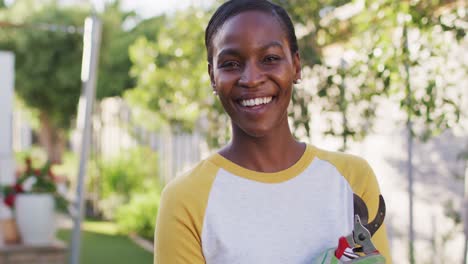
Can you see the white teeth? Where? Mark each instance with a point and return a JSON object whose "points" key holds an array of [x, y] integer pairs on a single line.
{"points": [[256, 101]]}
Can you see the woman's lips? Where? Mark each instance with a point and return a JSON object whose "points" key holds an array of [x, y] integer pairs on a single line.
{"points": [[255, 101], [256, 105]]}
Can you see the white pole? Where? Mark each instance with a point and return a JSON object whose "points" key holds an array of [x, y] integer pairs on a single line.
{"points": [[409, 127], [7, 69], [91, 44], [7, 164], [465, 214]]}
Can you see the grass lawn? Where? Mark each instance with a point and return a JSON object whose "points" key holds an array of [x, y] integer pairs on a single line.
{"points": [[101, 244]]}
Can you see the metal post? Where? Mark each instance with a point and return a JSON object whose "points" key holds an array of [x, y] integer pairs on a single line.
{"points": [[7, 68], [343, 105], [91, 44], [409, 126], [7, 164], [465, 214]]}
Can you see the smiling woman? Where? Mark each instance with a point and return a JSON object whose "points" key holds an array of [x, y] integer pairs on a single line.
{"points": [[265, 197], [251, 60]]}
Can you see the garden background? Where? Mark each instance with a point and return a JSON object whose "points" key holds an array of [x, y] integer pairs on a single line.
{"points": [[382, 79]]}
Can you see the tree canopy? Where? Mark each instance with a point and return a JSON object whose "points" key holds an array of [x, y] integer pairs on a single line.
{"points": [[48, 46], [376, 58], [171, 72], [47, 41]]}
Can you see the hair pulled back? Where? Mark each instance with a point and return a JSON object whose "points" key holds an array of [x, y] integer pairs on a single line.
{"points": [[235, 7]]}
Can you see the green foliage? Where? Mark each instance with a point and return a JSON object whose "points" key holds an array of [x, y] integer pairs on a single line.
{"points": [[114, 61], [34, 179], [129, 189], [134, 171], [173, 87], [172, 80], [371, 34], [48, 50], [139, 214], [47, 40], [409, 56], [45, 68], [314, 29]]}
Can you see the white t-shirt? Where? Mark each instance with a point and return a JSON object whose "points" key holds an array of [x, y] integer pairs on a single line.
{"points": [[222, 213]]}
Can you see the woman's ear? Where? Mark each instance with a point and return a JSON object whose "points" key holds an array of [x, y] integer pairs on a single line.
{"points": [[210, 72], [297, 66]]}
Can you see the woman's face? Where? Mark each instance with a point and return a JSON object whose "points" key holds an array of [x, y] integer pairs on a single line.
{"points": [[253, 71]]}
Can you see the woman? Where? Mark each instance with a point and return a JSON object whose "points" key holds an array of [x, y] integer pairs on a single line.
{"points": [[265, 197]]}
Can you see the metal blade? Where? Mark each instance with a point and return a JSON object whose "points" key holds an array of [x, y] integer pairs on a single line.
{"points": [[360, 208], [379, 218]]}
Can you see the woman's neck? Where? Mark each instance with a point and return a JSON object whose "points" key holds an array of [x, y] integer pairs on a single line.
{"points": [[275, 151]]}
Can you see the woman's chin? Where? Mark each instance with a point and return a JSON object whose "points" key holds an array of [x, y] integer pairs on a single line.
{"points": [[257, 131]]}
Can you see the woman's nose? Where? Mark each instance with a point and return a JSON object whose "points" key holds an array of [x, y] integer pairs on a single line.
{"points": [[251, 76]]}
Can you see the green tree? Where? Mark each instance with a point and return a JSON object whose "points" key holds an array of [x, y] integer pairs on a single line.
{"points": [[47, 42], [114, 61], [370, 31], [172, 81], [48, 68]]}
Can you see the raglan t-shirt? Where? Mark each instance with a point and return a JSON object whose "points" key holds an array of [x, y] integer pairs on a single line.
{"points": [[222, 213]]}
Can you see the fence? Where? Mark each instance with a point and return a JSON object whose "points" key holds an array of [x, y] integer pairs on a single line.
{"points": [[115, 132]]}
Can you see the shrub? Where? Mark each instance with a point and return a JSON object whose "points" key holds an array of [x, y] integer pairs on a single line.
{"points": [[139, 214], [133, 171]]}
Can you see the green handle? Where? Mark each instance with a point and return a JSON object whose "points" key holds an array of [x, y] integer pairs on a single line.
{"points": [[328, 257]]}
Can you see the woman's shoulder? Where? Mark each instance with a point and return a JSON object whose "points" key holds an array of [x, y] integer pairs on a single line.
{"points": [[194, 182], [355, 169], [340, 159]]}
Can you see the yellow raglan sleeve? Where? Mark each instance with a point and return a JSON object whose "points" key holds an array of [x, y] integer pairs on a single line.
{"points": [[364, 183], [368, 189], [180, 218], [176, 238]]}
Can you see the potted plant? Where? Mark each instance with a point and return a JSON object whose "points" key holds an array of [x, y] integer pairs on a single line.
{"points": [[34, 197]]}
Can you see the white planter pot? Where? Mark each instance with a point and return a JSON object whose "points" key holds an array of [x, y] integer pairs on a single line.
{"points": [[35, 217]]}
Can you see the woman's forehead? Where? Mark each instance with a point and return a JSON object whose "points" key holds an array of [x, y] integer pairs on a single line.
{"points": [[252, 28]]}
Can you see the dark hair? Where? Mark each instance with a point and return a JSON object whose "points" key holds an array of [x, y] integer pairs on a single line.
{"points": [[235, 7]]}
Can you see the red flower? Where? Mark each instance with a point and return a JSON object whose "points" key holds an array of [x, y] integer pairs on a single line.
{"points": [[37, 172], [18, 188], [10, 200]]}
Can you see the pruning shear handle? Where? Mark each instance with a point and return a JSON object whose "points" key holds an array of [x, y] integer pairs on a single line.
{"points": [[360, 239]]}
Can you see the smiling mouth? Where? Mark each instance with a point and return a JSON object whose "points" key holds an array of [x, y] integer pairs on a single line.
{"points": [[255, 101]]}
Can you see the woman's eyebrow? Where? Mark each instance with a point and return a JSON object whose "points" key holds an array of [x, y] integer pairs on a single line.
{"points": [[273, 44], [235, 52], [228, 52]]}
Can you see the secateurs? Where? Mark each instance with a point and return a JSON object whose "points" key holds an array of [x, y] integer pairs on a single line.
{"points": [[360, 239]]}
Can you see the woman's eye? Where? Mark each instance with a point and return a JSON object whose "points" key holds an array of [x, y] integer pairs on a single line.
{"points": [[271, 59], [230, 65]]}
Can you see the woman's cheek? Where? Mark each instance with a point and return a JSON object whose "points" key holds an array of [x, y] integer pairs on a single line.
{"points": [[226, 80]]}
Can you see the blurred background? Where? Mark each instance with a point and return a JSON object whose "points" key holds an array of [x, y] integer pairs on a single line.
{"points": [[383, 79]]}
